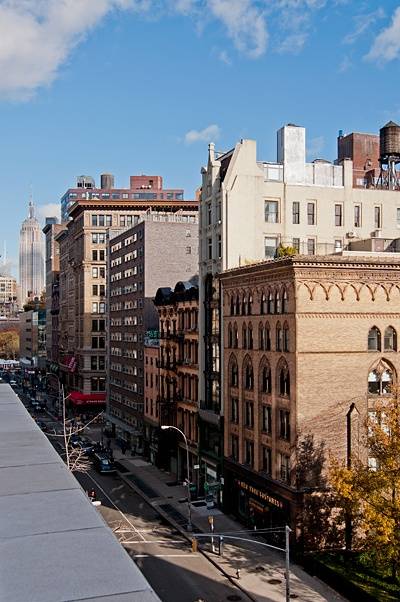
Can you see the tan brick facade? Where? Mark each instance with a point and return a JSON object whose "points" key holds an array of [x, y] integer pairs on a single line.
{"points": [[319, 312]]}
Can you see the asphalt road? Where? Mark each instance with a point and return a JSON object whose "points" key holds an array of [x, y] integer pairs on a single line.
{"points": [[162, 554]]}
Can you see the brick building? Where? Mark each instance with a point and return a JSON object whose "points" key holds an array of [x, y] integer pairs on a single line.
{"points": [[309, 344], [83, 284], [179, 375], [151, 402], [159, 249], [363, 150]]}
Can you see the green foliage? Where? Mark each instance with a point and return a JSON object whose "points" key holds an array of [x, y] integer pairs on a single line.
{"points": [[283, 251], [372, 496]]}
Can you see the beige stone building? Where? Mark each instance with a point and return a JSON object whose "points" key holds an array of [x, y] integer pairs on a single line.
{"points": [[309, 344], [8, 296]]}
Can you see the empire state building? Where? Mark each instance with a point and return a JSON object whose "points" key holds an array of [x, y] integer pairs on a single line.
{"points": [[31, 257]]}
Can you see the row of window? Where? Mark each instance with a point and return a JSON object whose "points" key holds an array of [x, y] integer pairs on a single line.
{"points": [[271, 302], [265, 378], [272, 216], [283, 418], [266, 458], [389, 339], [282, 341]]}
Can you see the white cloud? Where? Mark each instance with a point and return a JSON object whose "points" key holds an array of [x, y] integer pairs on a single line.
{"points": [[362, 24], [48, 210], [245, 24], [386, 46], [315, 147], [37, 36], [224, 57], [208, 134], [292, 44], [345, 65]]}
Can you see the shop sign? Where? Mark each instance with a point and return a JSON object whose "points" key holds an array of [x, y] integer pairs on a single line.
{"points": [[211, 473], [258, 493]]}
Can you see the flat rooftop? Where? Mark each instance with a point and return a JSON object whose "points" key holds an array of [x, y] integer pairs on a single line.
{"points": [[54, 545]]}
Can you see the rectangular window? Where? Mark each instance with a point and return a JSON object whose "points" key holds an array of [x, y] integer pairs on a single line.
{"points": [[296, 244], [285, 468], [209, 248], [378, 217], [108, 220], [93, 362], [95, 272], [338, 245], [101, 220], [271, 244], [235, 448], [94, 255], [267, 419], [266, 459], [271, 212], [188, 250], [249, 453], [234, 410], [94, 220], [311, 214], [310, 246], [398, 216], [338, 215], [219, 246], [357, 216], [209, 214], [249, 414], [284, 425], [102, 255], [95, 290], [296, 212]]}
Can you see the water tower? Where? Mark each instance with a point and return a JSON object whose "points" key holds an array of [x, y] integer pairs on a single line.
{"points": [[389, 155]]}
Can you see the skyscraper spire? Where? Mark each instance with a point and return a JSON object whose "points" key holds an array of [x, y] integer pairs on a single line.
{"points": [[31, 209]]}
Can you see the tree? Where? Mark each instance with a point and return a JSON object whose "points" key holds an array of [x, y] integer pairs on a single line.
{"points": [[9, 344], [370, 487], [283, 251]]}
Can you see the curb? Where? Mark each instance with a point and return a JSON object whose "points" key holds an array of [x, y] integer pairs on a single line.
{"points": [[184, 534]]}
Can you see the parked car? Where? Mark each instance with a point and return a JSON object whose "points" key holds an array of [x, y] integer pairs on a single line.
{"points": [[85, 445], [103, 464]]}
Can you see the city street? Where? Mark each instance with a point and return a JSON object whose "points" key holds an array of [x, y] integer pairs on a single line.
{"points": [[163, 555]]}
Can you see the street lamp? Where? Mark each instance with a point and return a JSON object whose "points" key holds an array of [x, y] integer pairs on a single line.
{"points": [[165, 427]]}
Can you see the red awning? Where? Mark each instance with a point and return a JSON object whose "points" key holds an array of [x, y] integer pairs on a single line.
{"points": [[79, 398]]}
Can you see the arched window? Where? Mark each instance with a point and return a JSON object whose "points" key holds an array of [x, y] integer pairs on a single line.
{"points": [[237, 304], [249, 304], [390, 339], [233, 373], [265, 377], [244, 305], [374, 339], [250, 337], [248, 374], [279, 337], [261, 337], [263, 304], [284, 301], [380, 379], [283, 379], [232, 306], [278, 302], [235, 337], [244, 336], [285, 337], [267, 337], [270, 307], [230, 336]]}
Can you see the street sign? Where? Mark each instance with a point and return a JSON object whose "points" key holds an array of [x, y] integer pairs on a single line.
{"points": [[196, 466]]}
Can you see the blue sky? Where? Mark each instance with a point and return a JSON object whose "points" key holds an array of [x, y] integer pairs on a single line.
{"points": [[141, 86]]}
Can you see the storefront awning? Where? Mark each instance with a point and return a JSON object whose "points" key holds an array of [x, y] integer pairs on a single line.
{"points": [[78, 398]]}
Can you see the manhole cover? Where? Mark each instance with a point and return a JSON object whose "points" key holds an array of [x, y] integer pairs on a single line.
{"points": [[274, 581], [233, 598]]}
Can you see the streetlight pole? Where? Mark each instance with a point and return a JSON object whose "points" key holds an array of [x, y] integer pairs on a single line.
{"points": [[165, 427]]}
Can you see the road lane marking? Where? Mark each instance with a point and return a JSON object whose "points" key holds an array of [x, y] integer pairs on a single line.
{"points": [[115, 506], [152, 541], [191, 555]]}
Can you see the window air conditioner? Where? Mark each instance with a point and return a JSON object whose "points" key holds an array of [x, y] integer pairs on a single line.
{"points": [[350, 234]]}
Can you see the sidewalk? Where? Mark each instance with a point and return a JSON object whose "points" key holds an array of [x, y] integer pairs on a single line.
{"points": [[258, 565]]}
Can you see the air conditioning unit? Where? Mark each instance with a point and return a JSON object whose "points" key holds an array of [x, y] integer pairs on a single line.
{"points": [[376, 234], [350, 234]]}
